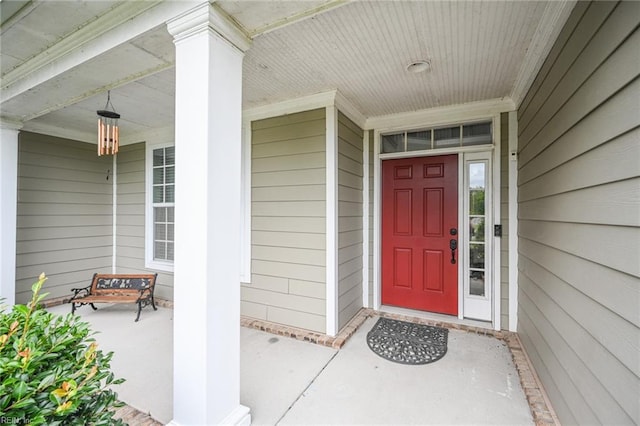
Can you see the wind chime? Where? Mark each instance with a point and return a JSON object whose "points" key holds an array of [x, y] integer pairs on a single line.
{"points": [[108, 132]]}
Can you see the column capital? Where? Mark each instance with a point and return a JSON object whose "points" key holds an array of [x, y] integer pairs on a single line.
{"points": [[208, 17]]}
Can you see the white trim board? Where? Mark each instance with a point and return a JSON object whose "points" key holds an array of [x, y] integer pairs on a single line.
{"points": [[365, 219], [349, 109], [331, 221], [307, 103], [377, 221], [440, 116], [291, 106], [495, 198], [114, 207], [245, 204], [513, 221]]}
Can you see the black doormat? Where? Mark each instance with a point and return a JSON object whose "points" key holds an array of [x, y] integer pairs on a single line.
{"points": [[407, 343]]}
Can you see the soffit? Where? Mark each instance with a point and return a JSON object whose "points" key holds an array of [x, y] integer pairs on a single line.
{"points": [[299, 48], [362, 49], [41, 24]]}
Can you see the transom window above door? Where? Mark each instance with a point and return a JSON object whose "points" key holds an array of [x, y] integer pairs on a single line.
{"points": [[466, 134]]}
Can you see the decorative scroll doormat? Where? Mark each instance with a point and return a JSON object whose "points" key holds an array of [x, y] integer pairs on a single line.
{"points": [[407, 343]]}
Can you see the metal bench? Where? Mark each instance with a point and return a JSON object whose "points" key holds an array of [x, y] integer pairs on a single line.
{"points": [[116, 288]]}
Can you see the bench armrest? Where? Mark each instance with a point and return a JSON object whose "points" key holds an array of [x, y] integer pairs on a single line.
{"points": [[144, 293], [81, 292]]}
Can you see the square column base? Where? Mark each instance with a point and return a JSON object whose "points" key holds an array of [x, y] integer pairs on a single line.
{"points": [[241, 416]]}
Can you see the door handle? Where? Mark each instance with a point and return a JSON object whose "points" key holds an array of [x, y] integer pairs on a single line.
{"points": [[453, 245]]}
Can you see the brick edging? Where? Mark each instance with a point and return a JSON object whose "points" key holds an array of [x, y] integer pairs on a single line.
{"points": [[541, 408], [134, 417], [306, 335]]}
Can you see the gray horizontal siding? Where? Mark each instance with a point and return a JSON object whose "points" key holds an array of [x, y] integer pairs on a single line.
{"points": [[579, 217], [350, 232], [288, 221], [130, 219], [64, 223]]}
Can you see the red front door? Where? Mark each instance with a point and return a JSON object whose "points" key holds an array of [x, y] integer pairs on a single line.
{"points": [[419, 220]]}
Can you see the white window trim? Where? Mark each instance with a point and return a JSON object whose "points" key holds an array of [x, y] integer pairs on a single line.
{"points": [[473, 306], [149, 261]]}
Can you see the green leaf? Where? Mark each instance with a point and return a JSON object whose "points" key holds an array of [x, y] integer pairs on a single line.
{"points": [[24, 403], [55, 399], [21, 309], [47, 381], [20, 390], [4, 401]]}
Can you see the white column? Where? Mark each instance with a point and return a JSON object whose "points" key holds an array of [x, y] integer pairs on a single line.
{"points": [[208, 118], [8, 211]]}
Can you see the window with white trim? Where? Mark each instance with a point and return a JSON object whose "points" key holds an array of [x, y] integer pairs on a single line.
{"points": [[460, 135], [159, 252]]}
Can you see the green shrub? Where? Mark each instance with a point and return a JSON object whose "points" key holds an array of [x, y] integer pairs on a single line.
{"points": [[51, 371]]}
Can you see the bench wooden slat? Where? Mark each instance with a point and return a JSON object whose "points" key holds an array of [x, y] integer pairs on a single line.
{"points": [[109, 299]]}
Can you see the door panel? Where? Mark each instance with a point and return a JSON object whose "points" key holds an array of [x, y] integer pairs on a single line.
{"points": [[432, 267], [433, 207], [402, 267], [403, 209], [419, 208]]}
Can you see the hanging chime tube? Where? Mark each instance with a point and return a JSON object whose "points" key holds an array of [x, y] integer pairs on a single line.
{"points": [[108, 135], [108, 132], [116, 138]]}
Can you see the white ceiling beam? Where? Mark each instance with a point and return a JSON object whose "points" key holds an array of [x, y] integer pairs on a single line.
{"points": [[290, 106], [60, 132], [16, 17], [117, 26], [112, 85], [309, 13], [553, 19]]}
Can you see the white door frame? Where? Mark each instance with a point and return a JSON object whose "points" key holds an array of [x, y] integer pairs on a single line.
{"points": [[494, 175]]}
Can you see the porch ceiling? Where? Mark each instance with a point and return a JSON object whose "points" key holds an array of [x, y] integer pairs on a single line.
{"points": [[478, 50]]}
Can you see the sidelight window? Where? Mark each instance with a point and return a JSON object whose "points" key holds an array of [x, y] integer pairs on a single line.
{"points": [[477, 230]]}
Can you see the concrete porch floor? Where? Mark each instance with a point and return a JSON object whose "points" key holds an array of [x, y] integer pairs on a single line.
{"points": [[292, 382]]}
